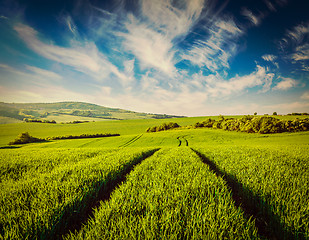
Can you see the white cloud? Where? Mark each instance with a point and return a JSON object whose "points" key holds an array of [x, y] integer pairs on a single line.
{"points": [[71, 25], [297, 33], [305, 96], [151, 48], [220, 87], [301, 53], [29, 76], [172, 18], [285, 84], [86, 59], [256, 20], [297, 39], [150, 35], [44, 73], [215, 52], [269, 57]]}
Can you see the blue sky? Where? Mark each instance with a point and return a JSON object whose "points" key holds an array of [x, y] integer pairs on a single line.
{"points": [[185, 57]]}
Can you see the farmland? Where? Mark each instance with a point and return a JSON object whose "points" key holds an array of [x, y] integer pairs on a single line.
{"points": [[184, 183]]}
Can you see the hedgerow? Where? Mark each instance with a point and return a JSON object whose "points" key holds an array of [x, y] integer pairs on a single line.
{"points": [[98, 135], [39, 120], [252, 124], [24, 138]]}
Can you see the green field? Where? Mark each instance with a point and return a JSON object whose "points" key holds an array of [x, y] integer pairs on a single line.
{"points": [[179, 184]]}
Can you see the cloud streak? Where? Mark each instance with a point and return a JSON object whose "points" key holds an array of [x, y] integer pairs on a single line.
{"points": [[286, 84], [86, 59], [215, 51], [254, 19]]}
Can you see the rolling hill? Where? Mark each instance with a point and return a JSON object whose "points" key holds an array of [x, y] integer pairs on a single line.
{"points": [[68, 112]]}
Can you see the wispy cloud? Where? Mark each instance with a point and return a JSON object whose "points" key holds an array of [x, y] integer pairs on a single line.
{"points": [[151, 48], [305, 95], [84, 58], [301, 53], [44, 73], [295, 45], [172, 18], [150, 35], [270, 5], [297, 34], [270, 58], [220, 87], [286, 84], [255, 19], [29, 75], [71, 25], [215, 52]]}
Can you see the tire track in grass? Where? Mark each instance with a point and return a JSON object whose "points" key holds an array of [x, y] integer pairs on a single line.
{"points": [[78, 219], [261, 221], [183, 141], [132, 140]]}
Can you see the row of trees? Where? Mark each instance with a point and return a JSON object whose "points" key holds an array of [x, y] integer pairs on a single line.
{"points": [[250, 124], [97, 135], [39, 120], [25, 137]]}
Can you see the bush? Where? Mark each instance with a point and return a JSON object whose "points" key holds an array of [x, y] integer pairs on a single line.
{"points": [[163, 127], [24, 138]]}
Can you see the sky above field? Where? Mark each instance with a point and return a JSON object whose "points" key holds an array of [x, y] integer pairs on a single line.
{"points": [[180, 57]]}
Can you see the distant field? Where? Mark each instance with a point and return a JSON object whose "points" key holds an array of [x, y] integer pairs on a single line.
{"points": [[179, 184], [7, 120], [62, 118]]}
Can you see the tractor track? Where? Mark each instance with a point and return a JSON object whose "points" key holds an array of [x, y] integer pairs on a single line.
{"points": [[78, 218], [262, 222], [182, 141], [132, 140]]}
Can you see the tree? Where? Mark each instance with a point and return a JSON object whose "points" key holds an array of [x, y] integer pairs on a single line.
{"points": [[255, 113], [275, 114]]}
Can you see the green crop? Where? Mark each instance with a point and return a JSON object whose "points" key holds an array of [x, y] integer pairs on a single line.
{"points": [[41, 190], [233, 185], [172, 195], [274, 182]]}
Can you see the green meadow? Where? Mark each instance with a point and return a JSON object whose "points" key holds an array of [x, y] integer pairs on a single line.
{"points": [[184, 183]]}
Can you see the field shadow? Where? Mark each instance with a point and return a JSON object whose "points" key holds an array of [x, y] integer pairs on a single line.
{"points": [[73, 217], [267, 223], [10, 147]]}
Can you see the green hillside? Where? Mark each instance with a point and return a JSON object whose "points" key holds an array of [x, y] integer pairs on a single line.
{"points": [[69, 112]]}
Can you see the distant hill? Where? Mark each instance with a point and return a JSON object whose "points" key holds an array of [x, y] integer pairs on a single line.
{"points": [[69, 112]]}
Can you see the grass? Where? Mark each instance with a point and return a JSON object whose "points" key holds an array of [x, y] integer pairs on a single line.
{"points": [[7, 120], [274, 181], [46, 187], [173, 194]]}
